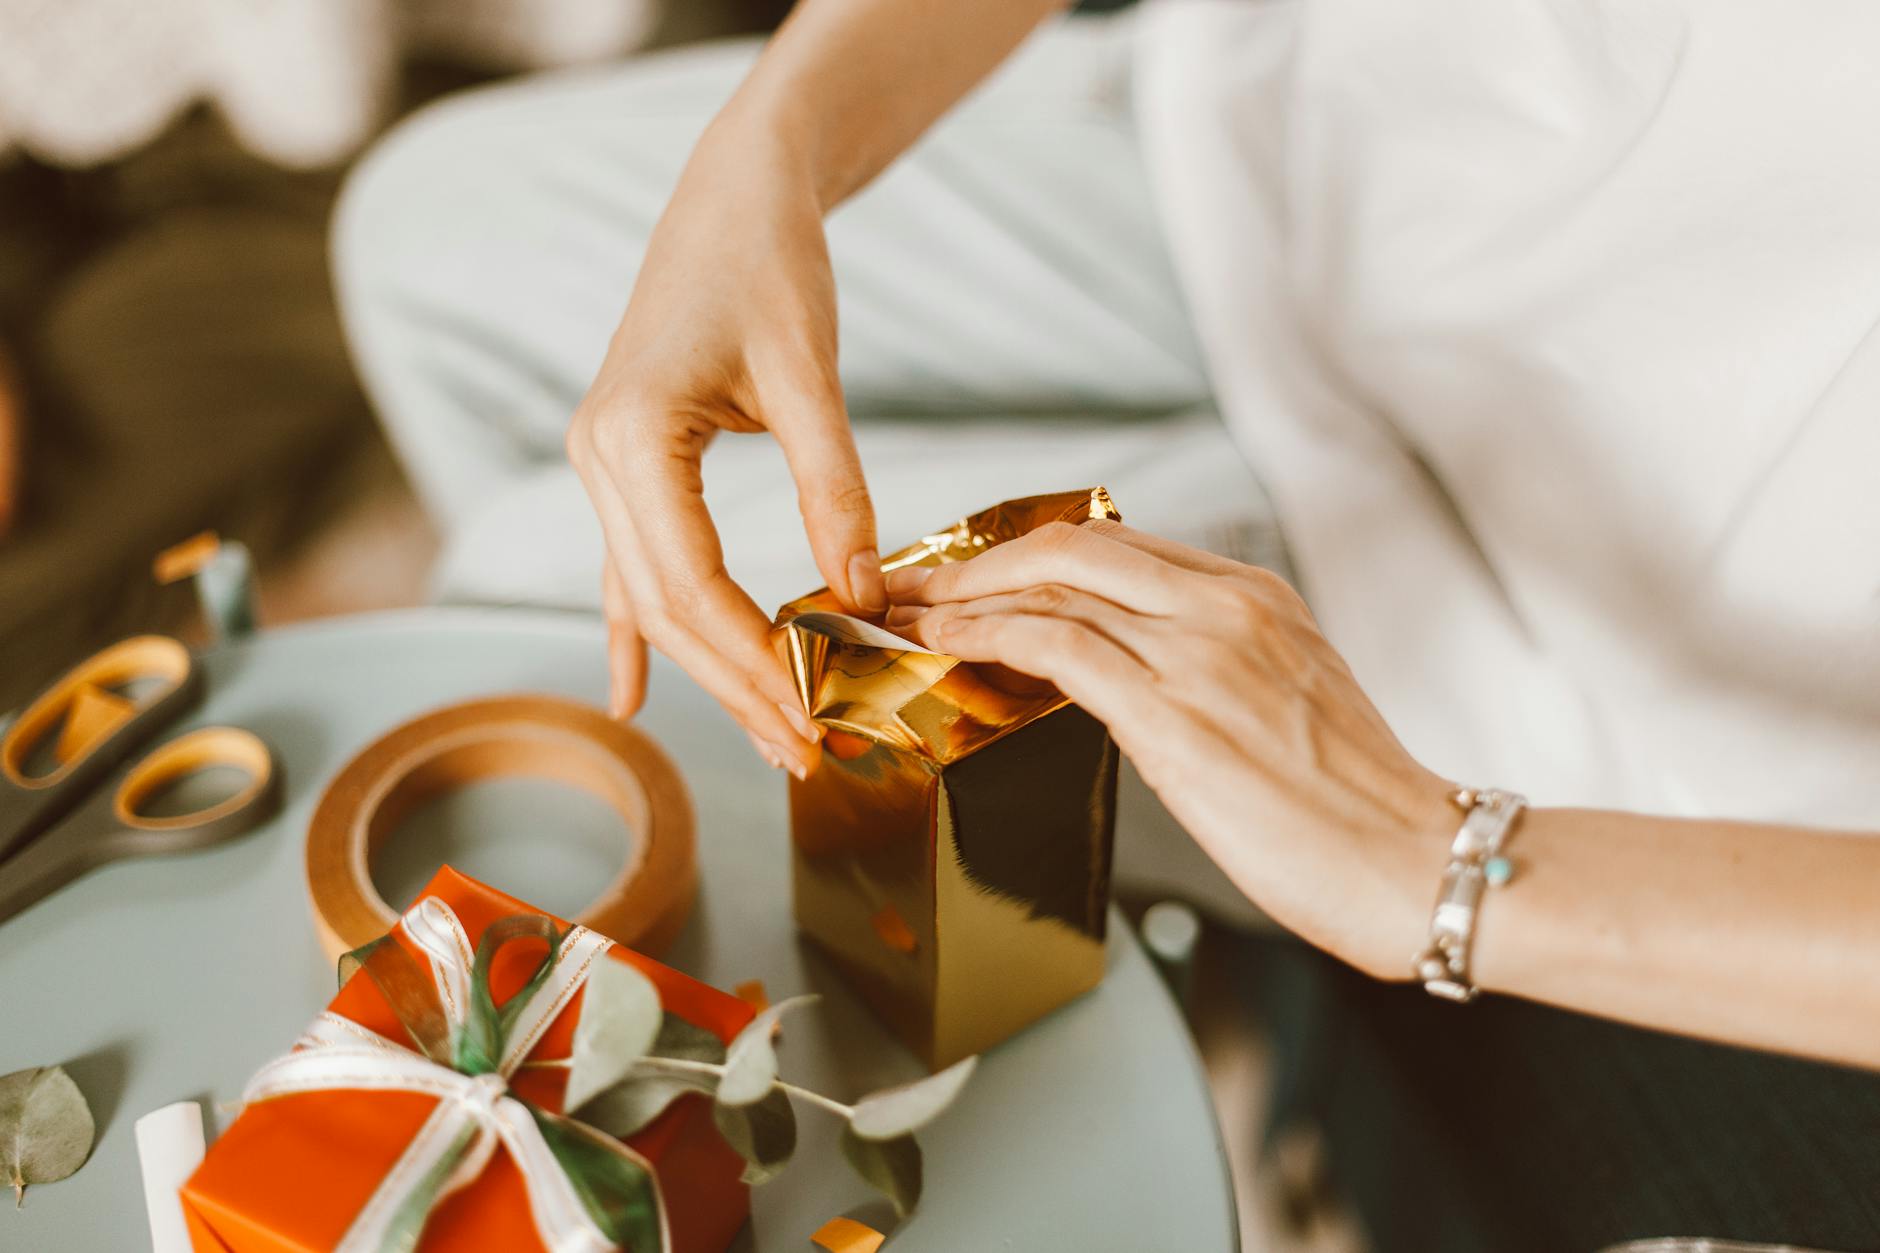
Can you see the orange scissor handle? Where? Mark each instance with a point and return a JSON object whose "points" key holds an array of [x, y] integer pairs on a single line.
{"points": [[112, 826], [88, 711], [185, 755], [63, 746]]}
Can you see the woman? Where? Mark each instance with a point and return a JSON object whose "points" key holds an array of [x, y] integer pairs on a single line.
{"points": [[1567, 419]]}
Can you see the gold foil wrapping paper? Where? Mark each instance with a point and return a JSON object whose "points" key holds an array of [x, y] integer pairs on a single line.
{"points": [[952, 850]]}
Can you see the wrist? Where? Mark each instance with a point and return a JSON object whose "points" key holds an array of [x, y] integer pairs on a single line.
{"points": [[1517, 929], [1421, 851], [1405, 868], [771, 125]]}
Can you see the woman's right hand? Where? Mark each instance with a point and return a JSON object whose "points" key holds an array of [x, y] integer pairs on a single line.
{"points": [[731, 327]]}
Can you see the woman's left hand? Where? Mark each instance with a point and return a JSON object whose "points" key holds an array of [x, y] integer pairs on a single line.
{"points": [[1215, 681]]}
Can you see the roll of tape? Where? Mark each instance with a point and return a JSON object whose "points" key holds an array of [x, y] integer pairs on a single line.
{"points": [[543, 737]]}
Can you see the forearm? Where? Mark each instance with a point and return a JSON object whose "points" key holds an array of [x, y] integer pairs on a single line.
{"points": [[848, 85], [1765, 936], [1265, 748]]}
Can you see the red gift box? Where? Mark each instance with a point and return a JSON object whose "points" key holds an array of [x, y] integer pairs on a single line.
{"points": [[292, 1172]]}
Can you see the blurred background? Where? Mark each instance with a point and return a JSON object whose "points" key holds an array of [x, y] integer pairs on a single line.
{"points": [[170, 357]]}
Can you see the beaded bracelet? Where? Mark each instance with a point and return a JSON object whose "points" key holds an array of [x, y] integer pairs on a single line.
{"points": [[1475, 864]]}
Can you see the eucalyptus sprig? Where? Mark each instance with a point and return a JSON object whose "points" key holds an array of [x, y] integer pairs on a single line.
{"points": [[631, 1059]]}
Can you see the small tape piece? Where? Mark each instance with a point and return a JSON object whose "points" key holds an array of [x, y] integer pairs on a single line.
{"points": [[180, 561], [169, 1148], [752, 993], [893, 929], [845, 1235], [846, 630]]}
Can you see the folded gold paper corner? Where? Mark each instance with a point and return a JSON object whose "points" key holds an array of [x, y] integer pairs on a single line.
{"points": [[952, 850]]}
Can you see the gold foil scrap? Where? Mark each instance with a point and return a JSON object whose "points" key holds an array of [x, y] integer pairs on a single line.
{"points": [[854, 675]]}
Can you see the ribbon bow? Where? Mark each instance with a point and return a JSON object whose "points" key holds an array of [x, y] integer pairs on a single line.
{"points": [[588, 1192]]}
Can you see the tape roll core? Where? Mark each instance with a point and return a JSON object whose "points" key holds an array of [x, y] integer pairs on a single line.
{"points": [[645, 905]]}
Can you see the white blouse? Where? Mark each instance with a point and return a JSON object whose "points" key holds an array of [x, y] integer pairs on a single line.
{"points": [[1552, 329]]}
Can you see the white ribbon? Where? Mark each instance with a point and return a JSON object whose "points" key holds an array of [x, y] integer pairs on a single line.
{"points": [[337, 1053]]}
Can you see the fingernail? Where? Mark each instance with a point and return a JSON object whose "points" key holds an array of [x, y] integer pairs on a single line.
{"points": [[865, 583], [907, 580], [800, 720], [905, 615]]}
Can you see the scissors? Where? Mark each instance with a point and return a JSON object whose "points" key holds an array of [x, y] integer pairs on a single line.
{"points": [[68, 801]]}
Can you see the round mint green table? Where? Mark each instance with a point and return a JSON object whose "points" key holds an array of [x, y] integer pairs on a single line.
{"points": [[175, 978]]}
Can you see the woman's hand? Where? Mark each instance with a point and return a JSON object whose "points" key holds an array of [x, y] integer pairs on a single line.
{"points": [[1216, 683], [731, 327]]}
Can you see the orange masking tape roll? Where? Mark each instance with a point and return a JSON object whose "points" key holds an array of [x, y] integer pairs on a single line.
{"points": [[644, 907]]}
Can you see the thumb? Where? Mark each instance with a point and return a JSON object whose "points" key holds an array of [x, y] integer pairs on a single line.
{"points": [[838, 515]]}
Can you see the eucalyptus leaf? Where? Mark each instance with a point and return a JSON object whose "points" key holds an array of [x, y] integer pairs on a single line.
{"points": [[751, 1061], [618, 1193], [891, 1167], [620, 1021], [45, 1128], [687, 1042], [637, 1100], [644, 1093], [764, 1134], [896, 1111]]}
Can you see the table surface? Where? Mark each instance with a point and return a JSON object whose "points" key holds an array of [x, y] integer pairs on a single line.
{"points": [[176, 978]]}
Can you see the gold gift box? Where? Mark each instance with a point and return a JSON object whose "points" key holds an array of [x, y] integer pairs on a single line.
{"points": [[952, 850]]}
